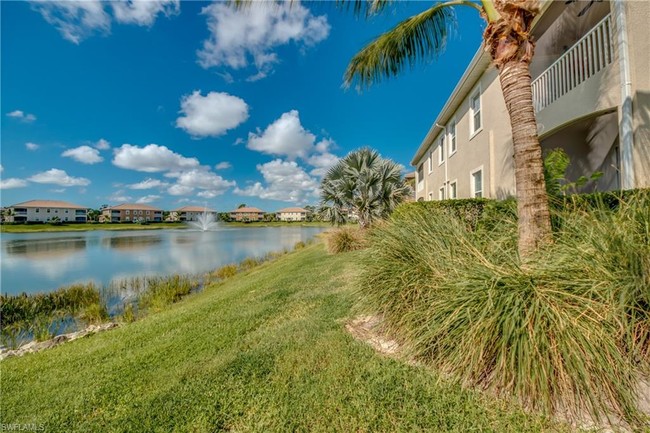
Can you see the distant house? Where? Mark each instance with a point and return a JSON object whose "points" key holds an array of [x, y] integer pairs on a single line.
{"points": [[292, 214], [46, 211], [191, 213], [247, 214], [131, 212]]}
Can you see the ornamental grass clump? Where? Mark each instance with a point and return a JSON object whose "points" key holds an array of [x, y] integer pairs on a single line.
{"points": [[344, 239], [566, 332]]}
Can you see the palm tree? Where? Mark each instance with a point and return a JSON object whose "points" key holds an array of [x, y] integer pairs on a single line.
{"points": [[507, 39], [365, 183]]}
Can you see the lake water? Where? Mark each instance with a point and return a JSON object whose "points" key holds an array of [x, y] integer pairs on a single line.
{"points": [[39, 262]]}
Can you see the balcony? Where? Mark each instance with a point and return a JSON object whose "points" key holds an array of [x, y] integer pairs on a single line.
{"points": [[588, 56]]}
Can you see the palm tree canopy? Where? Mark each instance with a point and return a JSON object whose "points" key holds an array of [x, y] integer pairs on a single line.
{"points": [[365, 183]]}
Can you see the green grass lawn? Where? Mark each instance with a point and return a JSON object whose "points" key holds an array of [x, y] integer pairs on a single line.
{"points": [[264, 351]]}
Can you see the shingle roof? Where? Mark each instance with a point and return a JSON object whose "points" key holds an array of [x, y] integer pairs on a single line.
{"points": [[133, 206], [194, 209], [49, 203], [292, 209], [247, 210]]}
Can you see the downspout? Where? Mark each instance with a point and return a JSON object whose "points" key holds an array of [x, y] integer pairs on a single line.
{"points": [[625, 126]]}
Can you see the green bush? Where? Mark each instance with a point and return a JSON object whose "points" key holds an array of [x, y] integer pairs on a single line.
{"points": [[249, 263], [226, 271], [344, 239], [162, 291], [571, 330]]}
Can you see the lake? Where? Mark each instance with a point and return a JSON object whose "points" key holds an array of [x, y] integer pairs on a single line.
{"points": [[40, 262]]}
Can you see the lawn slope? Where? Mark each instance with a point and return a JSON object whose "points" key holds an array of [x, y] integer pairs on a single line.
{"points": [[264, 351]]}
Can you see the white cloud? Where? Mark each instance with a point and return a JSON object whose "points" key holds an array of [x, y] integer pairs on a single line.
{"points": [[212, 114], [32, 146], [322, 163], [76, 20], [148, 184], [22, 116], [58, 177], [119, 197], [239, 37], [223, 165], [285, 181], [12, 182], [144, 13], [102, 144], [285, 137], [148, 199], [84, 155], [151, 158], [210, 183], [58, 190]]}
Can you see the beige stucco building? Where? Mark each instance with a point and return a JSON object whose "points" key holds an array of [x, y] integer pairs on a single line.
{"points": [[131, 212], [292, 214], [46, 211], [591, 91], [191, 213], [247, 214]]}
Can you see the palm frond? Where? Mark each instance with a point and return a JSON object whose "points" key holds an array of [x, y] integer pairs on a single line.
{"points": [[365, 7], [420, 37]]}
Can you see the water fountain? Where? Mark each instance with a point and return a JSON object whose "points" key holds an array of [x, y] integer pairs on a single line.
{"points": [[205, 221]]}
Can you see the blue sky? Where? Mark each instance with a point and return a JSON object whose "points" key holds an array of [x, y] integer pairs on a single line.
{"points": [[174, 103]]}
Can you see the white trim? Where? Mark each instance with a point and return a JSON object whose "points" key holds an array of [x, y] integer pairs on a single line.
{"points": [[472, 131], [453, 182], [430, 197], [451, 152], [430, 161], [441, 148], [441, 193], [471, 182]]}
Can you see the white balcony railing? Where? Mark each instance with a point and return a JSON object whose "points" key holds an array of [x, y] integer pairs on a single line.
{"points": [[592, 53]]}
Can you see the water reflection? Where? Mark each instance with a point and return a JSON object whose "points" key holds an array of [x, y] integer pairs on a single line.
{"points": [[36, 262]]}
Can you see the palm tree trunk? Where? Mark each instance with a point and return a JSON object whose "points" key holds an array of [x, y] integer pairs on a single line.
{"points": [[532, 202]]}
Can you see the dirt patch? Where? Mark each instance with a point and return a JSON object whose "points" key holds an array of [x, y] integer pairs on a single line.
{"points": [[37, 346], [370, 330]]}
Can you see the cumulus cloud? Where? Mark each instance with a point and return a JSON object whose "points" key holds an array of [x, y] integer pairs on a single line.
{"points": [[22, 116], [148, 184], [148, 199], [151, 158], [144, 13], [285, 181], [285, 137], [223, 165], [102, 144], [210, 184], [119, 197], [32, 146], [76, 20], [322, 163], [212, 114], [58, 177], [84, 155], [240, 37], [12, 182]]}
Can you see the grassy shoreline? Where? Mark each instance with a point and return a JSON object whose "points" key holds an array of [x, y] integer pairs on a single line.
{"points": [[42, 228], [265, 350]]}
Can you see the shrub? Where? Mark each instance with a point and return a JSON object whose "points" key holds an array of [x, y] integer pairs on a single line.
{"points": [[94, 314], [226, 271], [299, 245], [129, 314], [567, 331], [162, 291], [344, 239]]}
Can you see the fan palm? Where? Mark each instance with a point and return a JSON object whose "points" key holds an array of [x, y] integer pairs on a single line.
{"points": [[365, 183], [507, 39]]}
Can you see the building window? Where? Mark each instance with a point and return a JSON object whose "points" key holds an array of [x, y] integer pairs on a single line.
{"points": [[147, 212], [430, 161], [451, 131], [37, 210], [441, 149], [127, 212], [66, 211], [420, 177], [430, 196], [441, 193], [475, 123], [48, 211], [453, 190], [477, 183], [140, 212]]}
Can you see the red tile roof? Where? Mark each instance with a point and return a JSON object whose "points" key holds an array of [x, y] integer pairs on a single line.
{"points": [[49, 203]]}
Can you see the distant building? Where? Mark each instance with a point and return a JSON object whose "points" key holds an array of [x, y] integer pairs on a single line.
{"points": [[46, 211], [247, 214], [131, 212], [292, 214], [191, 213]]}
